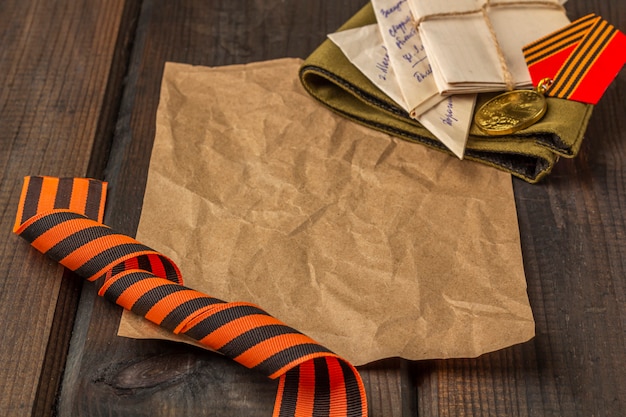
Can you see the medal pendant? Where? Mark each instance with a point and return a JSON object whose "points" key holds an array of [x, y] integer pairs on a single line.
{"points": [[512, 111]]}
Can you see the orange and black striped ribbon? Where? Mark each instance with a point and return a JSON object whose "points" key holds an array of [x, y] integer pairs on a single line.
{"points": [[62, 218], [582, 59], [559, 42]]}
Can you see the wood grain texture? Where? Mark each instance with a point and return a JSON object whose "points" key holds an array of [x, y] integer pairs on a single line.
{"points": [[58, 66], [574, 245], [107, 375], [75, 101]]}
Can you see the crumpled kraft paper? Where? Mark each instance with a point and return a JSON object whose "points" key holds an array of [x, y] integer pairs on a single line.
{"points": [[373, 246]]}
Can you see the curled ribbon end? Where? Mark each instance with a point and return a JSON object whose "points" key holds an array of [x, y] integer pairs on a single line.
{"points": [[62, 217]]}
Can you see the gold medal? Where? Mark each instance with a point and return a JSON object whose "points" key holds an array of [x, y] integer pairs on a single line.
{"points": [[512, 111]]}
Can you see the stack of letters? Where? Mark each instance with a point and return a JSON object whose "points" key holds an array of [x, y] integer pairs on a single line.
{"points": [[432, 58]]}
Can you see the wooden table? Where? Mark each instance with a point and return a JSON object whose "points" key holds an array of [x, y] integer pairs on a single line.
{"points": [[78, 98]]}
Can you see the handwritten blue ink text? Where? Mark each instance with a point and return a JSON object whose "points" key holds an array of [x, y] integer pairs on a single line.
{"points": [[422, 75], [414, 57], [395, 8], [449, 118], [383, 66], [402, 32]]}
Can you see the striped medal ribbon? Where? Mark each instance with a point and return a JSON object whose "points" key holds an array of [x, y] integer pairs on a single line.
{"points": [[582, 59], [62, 218]]}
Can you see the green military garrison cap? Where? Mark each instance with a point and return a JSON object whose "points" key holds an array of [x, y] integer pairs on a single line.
{"points": [[529, 154]]}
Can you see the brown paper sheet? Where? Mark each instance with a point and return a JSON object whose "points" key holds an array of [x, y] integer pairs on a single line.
{"points": [[373, 246]]}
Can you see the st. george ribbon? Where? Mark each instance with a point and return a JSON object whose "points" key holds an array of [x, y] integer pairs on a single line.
{"points": [[62, 218]]}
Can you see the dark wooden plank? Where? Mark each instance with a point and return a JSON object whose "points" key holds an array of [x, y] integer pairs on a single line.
{"points": [[108, 375], [390, 389], [59, 64], [574, 244]]}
